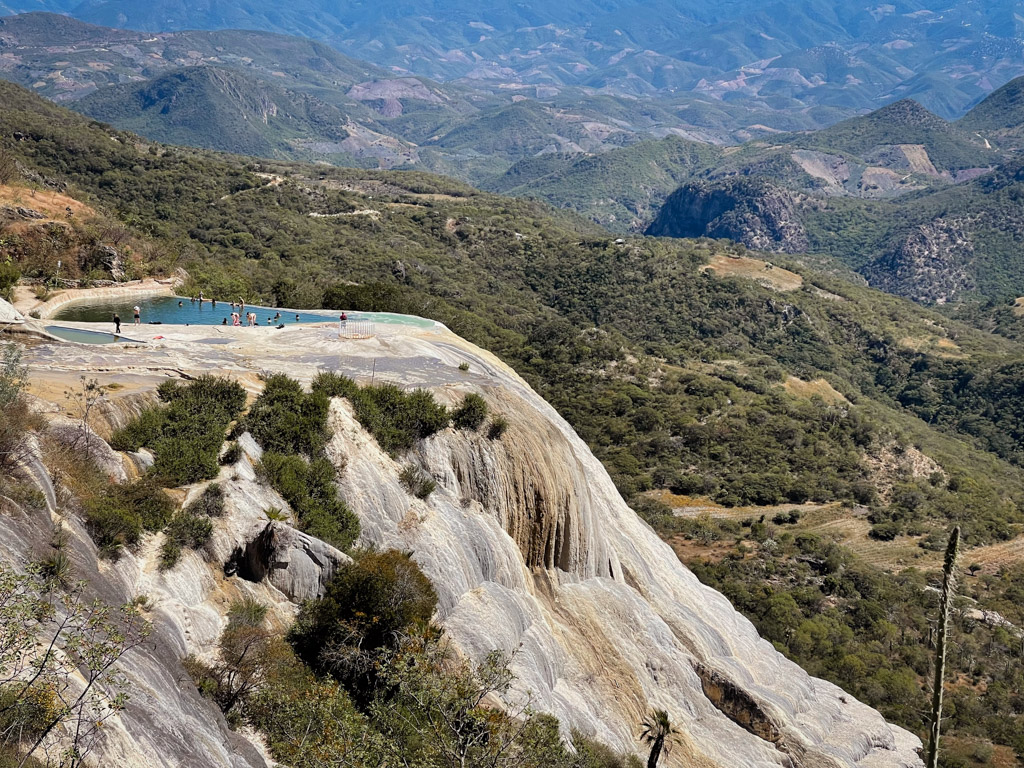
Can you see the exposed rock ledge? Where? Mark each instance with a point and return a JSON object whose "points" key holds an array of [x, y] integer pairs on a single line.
{"points": [[531, 550]]}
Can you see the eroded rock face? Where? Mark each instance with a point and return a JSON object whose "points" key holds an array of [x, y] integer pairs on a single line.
{"points": [[533, 552], [298, 565], [751, 211], [932, 264], [166, 722]]}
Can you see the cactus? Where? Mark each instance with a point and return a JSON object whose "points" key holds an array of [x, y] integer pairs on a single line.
{"points": [[946, 600]]}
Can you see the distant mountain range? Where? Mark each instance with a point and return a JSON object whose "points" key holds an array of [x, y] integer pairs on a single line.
{"points": [[911, 202], [292, 98], [773, 56]]}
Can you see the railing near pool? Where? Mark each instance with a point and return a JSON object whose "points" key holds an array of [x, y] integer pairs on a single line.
{"points": [[356, 329]]}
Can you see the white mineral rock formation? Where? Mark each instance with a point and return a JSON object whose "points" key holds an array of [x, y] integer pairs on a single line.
{"points": [[529, 545]]}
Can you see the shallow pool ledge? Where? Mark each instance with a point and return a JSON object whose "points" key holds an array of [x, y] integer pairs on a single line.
{"points": [[82, 336]]}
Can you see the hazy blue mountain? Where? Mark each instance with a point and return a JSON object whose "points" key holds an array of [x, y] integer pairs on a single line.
{"points": [[783, 55]]}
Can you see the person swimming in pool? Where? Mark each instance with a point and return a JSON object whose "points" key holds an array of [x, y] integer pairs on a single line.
{"points": [[181, 303]]}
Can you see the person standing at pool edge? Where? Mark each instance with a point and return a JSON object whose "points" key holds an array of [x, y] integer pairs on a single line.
{"points": [[137, 312], [117, 323]]}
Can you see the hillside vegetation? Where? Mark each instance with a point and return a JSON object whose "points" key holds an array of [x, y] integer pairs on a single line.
{"points": [[920, 207], [678, 378]]}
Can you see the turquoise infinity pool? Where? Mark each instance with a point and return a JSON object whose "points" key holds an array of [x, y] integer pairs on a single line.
{"points": [[175, 310]]}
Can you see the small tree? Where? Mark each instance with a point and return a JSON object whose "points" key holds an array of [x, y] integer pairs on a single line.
{"points": [[441, 709], [945, 602], [58, 656], [85, 399], [247, 650], [15, 416], [658, 732]]}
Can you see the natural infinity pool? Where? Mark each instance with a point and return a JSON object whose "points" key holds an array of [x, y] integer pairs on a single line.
{"points": [[165, 310]]}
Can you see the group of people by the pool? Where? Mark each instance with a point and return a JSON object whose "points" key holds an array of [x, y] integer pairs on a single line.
{"points": [[251, 319]]}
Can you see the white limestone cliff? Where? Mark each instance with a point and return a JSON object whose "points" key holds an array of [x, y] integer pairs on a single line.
{"points": [[529, 546]]}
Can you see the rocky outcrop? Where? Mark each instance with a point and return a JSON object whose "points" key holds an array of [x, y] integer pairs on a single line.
{"points": [[932, 264], [298, 565], [166, 723], [104, 258], [9, 315], [533, 552], [388, 94], [752, 211]]}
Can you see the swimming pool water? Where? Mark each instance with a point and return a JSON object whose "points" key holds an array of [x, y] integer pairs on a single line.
{"points": [[85, 337], [166, 310]]}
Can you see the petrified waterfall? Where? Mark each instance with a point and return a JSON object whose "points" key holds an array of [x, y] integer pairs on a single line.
{"points": [[530, 547]]}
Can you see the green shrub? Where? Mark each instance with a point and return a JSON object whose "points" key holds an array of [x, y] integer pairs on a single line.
{"points": [[499, 424], [210, 502], [187, 529], [119, 516], [247, 612], [186, 460], [310, 490], [472, 412], [395, 418], [398, 420], [186, 434], [885, 531], [232, 454], [333, 384], [144, 429], [284, 419], [9, 276], [368, 603], [417, 482]]}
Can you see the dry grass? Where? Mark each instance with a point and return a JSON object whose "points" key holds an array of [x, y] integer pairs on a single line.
{"points": [[760, 271], [53, 204], [816, 388], [848, 527], [992, 557], [938, 346], [77, 476], [690, 550], [691, 506]]}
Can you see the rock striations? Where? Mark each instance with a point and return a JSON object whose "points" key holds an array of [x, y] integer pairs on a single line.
{"points": [[526, 540]]}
